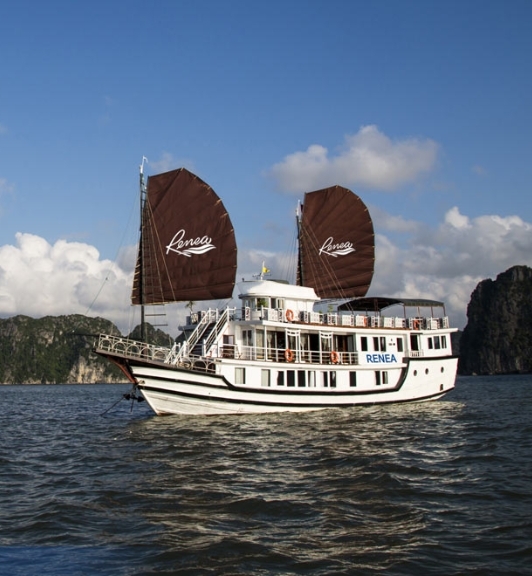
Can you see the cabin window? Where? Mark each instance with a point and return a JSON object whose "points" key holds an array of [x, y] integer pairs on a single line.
{"points": [[240, 375], [384, 377], [414, 342], [301, 380], [332, 380], [247, 337], [352, 379], [290, 377], [444, 341], [311, 377], [280, 378], [379, 343], [265, 377], [325, 379], [399, 344], [437, 343], [429, 340], [364, 343], [378, 378]]}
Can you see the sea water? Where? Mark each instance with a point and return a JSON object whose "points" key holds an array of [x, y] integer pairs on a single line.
{"points": [[88, 486]]}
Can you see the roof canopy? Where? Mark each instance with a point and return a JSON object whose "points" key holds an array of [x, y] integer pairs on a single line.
{"points": [[378, 303]]}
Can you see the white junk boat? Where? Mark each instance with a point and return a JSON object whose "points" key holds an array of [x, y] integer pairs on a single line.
{"points": [[275, 352]]}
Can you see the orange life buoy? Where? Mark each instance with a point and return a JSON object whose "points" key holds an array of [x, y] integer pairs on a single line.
{"points": [[334, 357], [289, 315], [288, 355]]}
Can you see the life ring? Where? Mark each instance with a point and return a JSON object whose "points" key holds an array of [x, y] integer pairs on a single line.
{"points": [[417, 324], [335, 358], [289, 315], [289, 355]]}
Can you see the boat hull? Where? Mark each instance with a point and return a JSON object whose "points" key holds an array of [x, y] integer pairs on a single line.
{"points": [[172, 390]]}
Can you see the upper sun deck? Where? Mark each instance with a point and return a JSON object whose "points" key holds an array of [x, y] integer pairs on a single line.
{"points": [[277, 294]]}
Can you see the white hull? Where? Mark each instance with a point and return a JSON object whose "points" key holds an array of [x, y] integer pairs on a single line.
{"points": [[178, 391]]}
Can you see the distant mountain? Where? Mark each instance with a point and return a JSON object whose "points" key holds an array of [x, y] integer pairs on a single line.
{"points": [[498, 335], [58, 350]]}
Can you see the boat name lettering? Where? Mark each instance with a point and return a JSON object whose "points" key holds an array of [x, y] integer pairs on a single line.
{"points": [[340, 249], [380, 358], [191, 246]]}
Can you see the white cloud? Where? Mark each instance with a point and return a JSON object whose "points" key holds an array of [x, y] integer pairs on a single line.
{"points": [[368, 158], [39, 279], [448, 262], [167, 162]]}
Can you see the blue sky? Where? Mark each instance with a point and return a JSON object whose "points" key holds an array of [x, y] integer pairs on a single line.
{"points": [[420, 107]]}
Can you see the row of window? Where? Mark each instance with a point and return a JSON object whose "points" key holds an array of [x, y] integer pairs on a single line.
{"points": [[306, 378]]}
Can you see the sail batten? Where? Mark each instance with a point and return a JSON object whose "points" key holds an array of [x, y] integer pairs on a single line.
{"points": [[337, 243], [188, 248]]}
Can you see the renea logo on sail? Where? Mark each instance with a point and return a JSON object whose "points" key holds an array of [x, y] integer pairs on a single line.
{"points": [[339, 249], [191, 246]]}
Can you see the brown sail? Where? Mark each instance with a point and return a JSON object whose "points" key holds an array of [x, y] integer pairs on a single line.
{"points": [[187, 249], [336, 244]]}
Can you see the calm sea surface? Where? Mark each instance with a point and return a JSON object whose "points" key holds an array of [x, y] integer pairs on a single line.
{"points": [[438, 488]]}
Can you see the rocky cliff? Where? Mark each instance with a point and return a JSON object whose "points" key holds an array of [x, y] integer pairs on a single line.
{"points": [[498, 335], [57, 350]]}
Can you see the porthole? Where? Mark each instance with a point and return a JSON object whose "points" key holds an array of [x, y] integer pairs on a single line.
{"points": [[426, 370], [442, 369], [415, 372]]}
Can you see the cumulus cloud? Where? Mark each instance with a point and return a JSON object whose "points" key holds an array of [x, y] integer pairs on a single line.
{"points": [[369, 159], [39, 279], [447, 262]]}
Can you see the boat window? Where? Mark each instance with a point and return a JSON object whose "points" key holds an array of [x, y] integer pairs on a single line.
{"points": [[444, 341], [280, 378], [247, 337], [429, 340], [352, 379], [259, 335], [437, 344], [332, 379], [399, 344], [311, 377], [378, 378], [265, 377], [414, 342], [325, 379], [364, 343], [290, 377], [240, 375], [379, 343], [301, 380], [384, 377]]}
